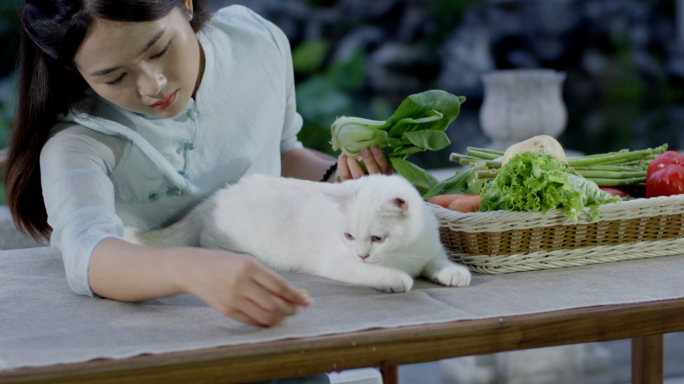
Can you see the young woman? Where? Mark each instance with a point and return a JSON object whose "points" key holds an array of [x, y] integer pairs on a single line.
{"points": [[130, 113]]}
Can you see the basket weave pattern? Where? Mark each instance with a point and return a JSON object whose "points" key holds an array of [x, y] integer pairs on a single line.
{"points": [[504, 241]]}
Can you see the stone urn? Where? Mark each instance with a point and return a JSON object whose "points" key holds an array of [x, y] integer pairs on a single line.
{"points": [[522, 103]]}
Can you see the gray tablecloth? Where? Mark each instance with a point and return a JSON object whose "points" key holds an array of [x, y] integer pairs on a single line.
{"points": [[42, 322]]}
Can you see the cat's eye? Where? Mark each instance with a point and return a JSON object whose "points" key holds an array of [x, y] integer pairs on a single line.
{"points": [[348, 236], [377, 239]]}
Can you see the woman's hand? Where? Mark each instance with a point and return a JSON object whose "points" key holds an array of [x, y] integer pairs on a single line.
{"points": [[373, 158], [241, 288]]}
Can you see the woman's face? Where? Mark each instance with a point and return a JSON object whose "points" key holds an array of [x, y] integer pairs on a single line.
{"points": [[147, 67]]}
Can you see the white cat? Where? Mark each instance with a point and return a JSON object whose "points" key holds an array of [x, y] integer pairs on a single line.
{"points": [[375, 231]]}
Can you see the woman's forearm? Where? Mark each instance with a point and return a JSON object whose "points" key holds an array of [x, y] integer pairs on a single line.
{"points": [[123, 271], [303, 163]]}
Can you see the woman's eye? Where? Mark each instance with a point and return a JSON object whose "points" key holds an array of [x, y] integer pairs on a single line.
{"points": [[162, 52], [377, 239], [117, 80], [348, 236]]}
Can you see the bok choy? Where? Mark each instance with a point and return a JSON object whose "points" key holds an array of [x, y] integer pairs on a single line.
{"points": [[417, 125]]}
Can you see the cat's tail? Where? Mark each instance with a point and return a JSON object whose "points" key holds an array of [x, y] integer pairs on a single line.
{"points": [[183, 233]]}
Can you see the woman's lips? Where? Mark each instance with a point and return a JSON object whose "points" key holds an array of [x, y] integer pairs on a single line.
{"points": [[168, 100]]}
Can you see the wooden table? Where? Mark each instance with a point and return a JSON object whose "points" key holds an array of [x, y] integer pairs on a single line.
{"points": [[644, 322]]}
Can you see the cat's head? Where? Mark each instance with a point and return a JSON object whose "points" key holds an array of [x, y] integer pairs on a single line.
{"points": [[383, 215]]}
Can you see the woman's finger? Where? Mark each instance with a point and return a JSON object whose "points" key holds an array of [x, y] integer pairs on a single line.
{"points": [[369, 160], [256, 315], [381, 160], [342, 168], [273, 284], [270, 302], [355, 167], [243, 318]]}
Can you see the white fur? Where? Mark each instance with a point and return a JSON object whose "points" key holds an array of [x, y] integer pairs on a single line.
{"points": [[296, 225]]}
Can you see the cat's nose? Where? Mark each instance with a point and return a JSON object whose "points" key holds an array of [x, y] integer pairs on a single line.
{"points": [[363, 257]]}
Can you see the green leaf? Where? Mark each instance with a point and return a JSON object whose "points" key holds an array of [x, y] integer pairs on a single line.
{"points": [[432, 140], [465, 181], [411, 125], [392, 142], [404, 151], [417, 176], [308, 56], [424, 105]]}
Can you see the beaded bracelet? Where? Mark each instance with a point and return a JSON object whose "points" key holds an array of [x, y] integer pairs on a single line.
{"points": [[329, 172]]}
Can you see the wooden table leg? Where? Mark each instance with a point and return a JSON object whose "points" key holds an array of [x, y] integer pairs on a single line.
{"points": [[647, 359], [390, 374]]}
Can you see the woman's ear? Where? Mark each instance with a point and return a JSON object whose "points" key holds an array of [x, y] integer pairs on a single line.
{"points": [[187, 4]]}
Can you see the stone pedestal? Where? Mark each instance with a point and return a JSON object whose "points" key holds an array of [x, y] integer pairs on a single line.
{"points": [[522, 103]]}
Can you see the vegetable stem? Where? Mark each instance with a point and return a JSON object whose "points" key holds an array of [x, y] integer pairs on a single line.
{"points": [[623, 167], [483, 153]]}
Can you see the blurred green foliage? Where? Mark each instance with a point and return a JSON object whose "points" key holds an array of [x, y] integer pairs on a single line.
{"points": [[331, 89], [9, 41], [7, 107]]}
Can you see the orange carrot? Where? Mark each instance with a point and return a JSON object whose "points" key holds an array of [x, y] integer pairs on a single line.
{"points": [[445, 200], [466, 204]]}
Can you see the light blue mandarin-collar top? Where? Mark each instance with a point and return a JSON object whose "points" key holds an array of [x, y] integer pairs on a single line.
{"points": [[105, 167]]}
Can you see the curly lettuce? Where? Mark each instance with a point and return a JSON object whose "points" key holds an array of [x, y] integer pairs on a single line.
{"points": [[536, 181]]}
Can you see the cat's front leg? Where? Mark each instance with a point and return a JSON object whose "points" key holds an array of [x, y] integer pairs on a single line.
{"points": [[445, 272], [375, 276]]}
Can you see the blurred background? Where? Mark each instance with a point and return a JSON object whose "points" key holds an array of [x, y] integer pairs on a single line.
{"points": [[624, 61]]}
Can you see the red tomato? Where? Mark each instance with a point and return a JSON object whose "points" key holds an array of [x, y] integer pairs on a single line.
{"points": [[615, 191], [666, 181], [665, 159]]}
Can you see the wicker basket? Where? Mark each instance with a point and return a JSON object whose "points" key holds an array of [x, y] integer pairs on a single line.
{"points": [[505, 241]]}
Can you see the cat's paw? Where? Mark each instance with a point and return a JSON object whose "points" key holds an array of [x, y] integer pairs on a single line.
{"points": [[397, 283], [453, 276]]}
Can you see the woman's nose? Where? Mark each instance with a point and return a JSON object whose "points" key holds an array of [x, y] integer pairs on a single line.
{"points": [[151, 83]]}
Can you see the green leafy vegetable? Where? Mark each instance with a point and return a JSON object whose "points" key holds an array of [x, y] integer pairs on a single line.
{"points": [[465, 182], [417, 125], [535, 181], [420, 178]]}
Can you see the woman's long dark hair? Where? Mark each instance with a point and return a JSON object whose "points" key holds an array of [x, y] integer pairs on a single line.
{"points": [[51, 32]]}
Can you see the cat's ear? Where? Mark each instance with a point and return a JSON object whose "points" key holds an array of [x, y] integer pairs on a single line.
{"points": [[396, 206]]}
